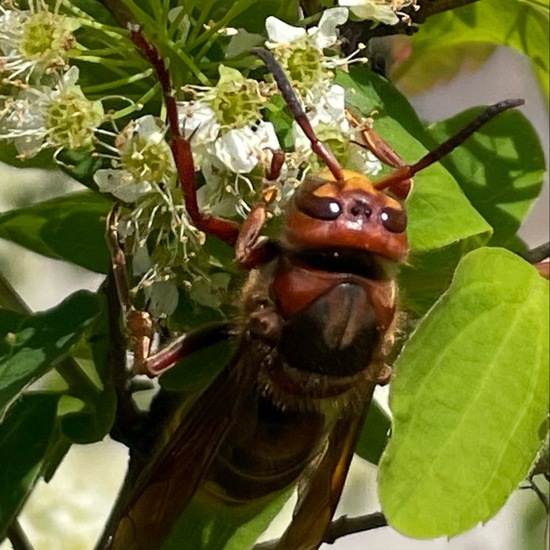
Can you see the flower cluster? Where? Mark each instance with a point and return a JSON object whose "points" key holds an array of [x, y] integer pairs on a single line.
{"points": [[302, 55], [230, 139], [231, 126], [47, 108]]}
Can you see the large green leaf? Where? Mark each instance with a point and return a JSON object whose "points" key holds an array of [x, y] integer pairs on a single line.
{"points": [[24, 440], [31, 344], [469, 399], [520, 24], [70, 228], [500, 168]]}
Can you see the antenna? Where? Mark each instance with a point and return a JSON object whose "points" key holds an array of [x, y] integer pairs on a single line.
{"points": [[409, 170], [285, 87]]}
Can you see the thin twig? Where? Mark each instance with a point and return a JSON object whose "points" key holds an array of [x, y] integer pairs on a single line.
{"points": [[354, 33], [18, 538], [345, 525], [537, 254], [339, 528]]}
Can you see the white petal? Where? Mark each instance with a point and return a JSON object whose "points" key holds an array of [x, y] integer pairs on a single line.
{"points": [[10, 30], [241, 149], [198, 119], [150, 128], [121, 184], [301, 142], [281, 32], [70, 78], [266, 136], [325, 34], [369, 9], [331, 106], [329, 110], [28, 146], [235, 149]]}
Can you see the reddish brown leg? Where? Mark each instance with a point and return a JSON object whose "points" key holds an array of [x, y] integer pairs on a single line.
{"points": [[251, 248], [139, 324], [225, 230]]}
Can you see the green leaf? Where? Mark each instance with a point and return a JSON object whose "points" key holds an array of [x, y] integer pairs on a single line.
{"points": [[30, 344], [24, 439], [8, 155], [520, 24], [374, 434], [500, 168], [81, 166], [70, 228], [469, 399], [96, 416]]}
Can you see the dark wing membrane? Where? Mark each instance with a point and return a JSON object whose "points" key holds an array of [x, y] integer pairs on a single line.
{"points": [[321, 488], [164, 487]]}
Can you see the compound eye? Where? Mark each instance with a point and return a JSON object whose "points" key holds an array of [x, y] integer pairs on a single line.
{"points": [[320, 208], [394, 220]]}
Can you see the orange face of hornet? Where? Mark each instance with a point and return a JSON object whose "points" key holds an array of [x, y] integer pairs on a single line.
{"points": [[349, 214]]}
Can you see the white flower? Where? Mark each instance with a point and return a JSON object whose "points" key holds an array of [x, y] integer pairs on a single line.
{"points": [[329, 111], [280, 33], [225, 124], [241, 149], [35, 41], [301, 52], [23, 120], [383, 11], [224, 194], [331, 125], [162, 240], [145, 161], [198, 120], [122, 184], [40, 117]]}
